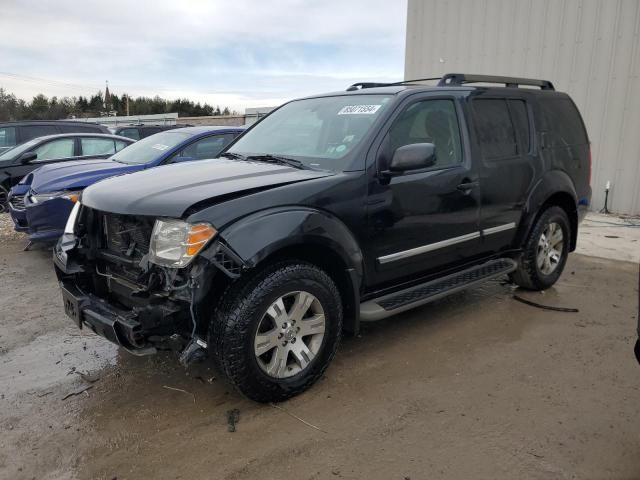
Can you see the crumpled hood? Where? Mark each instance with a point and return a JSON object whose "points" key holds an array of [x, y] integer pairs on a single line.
{"points": [[170, 190], [76, 175]]}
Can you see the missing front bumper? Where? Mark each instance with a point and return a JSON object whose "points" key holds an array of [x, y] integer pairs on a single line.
{"points": [[104, 320]]}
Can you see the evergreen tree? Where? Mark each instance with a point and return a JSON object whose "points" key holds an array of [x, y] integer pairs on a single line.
{"points": [[43, 108]]}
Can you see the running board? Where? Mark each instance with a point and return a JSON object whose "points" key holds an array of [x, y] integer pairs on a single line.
{"points": [[393, 303]]}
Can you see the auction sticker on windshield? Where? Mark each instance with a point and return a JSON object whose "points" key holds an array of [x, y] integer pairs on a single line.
{"points": [[159, 146], [359, 109]]}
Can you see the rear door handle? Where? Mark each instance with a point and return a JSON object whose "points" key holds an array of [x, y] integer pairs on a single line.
{"points": [[467, 186]]}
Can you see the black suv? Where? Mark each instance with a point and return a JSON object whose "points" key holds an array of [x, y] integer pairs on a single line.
{"points": [[15, 133], [140, 131], [332, 210]]}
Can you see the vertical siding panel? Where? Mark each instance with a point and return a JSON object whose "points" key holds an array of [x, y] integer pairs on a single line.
{"points": [[598, 104], [588, 48], [627, 151]]}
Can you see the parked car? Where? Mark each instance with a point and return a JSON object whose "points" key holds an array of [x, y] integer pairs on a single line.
{"points": [[26, 157], [15, 133], [139, 131], [41, 202], [332, 210]]}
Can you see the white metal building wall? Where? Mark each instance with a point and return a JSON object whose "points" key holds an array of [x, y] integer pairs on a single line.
{"points": [[587, 48]]}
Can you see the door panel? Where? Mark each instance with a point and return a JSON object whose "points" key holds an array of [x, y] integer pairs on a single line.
{"points": [[423, 221], [507, 165]]}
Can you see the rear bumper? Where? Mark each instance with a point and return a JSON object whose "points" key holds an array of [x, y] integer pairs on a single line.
{"points": [[584, 204]]}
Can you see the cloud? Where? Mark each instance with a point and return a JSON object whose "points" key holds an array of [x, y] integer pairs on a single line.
{"points": [[240, 52]]}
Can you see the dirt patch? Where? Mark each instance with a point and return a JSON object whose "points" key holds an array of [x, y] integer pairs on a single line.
{"points": [[474, 386]]}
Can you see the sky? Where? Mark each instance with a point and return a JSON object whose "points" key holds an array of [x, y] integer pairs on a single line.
{"points": [[236, 53]]}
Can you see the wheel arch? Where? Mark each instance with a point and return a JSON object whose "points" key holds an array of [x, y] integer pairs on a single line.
{"points": [[554, 189], [306, 234]]}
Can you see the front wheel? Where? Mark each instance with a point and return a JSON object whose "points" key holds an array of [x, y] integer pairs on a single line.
{"points": [[4, 199], [545, 252], [276, 333]]}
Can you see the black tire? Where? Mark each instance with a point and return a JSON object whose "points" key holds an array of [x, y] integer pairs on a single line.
{"points": [[4, 199], [236, 321], [529, 275]]}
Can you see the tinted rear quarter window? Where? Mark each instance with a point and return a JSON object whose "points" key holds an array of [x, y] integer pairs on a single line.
{"points": [[80, 128], [7, 136], [27, 132], [494, 128], [562, 123], [130, 133]]}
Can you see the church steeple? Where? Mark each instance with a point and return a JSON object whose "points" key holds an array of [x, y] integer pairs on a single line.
{"points": [[107, 97]]}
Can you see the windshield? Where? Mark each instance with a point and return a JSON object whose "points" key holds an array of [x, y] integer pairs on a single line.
{"points": [[150, 148], [19, 150], [320, 132]]}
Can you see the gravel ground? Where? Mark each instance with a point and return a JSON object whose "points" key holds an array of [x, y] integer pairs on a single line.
{"points": [[474, 386], [7, 232]]}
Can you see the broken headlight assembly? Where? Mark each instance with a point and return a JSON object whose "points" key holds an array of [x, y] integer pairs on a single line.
{"points": [[175, 243]]}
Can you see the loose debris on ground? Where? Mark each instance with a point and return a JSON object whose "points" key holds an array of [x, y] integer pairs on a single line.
{"points": [[545, 307], [233, 417]]}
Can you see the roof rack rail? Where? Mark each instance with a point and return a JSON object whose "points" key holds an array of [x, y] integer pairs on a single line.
{"points": [[361, 85], [458, 79]]}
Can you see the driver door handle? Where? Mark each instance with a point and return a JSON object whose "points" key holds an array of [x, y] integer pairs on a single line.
{"points": [[467, 186]]}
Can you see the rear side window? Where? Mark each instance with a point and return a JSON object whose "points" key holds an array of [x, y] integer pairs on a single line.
{"points": [[97, 146], [494, 128], [55, 149], [80, 128], [130, 133], [562, 123], [7, 137], [28, 132], [147, 131]]}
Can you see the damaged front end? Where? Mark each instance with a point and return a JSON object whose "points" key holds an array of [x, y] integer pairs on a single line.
{"points": [[142, 282]]}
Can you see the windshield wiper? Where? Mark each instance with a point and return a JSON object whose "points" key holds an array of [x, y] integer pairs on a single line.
{"points": [[235, 156], [278, 159]]}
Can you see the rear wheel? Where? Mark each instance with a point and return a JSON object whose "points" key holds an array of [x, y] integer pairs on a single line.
{"points": [[276, 333], [545, 252]]}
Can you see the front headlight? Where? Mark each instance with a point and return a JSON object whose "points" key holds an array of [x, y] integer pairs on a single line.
{"points": [[174, 243], [72, 196]]}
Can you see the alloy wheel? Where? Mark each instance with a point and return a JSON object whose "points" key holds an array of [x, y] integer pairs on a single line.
{"points": [[550, 248], [290, 334]]}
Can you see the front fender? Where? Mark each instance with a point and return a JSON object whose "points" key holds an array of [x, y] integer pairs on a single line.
{"points": [[259, 235]]}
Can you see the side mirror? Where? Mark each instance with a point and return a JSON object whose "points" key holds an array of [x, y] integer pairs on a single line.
{"points": [[26, 157], [183, 159], [413, 157]]}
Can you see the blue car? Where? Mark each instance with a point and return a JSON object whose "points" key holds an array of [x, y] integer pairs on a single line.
{"points": [[40, 204]]}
